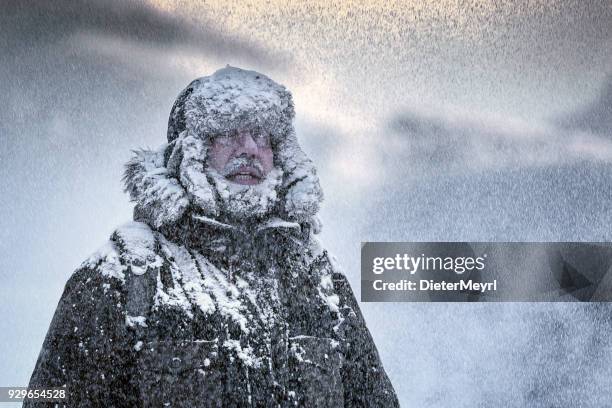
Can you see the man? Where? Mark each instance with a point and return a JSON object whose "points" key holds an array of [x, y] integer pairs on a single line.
{"points": [[218, 294]]}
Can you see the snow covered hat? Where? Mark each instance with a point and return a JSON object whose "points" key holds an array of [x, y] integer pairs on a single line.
{"points": [[168, 182], [228, 98]]}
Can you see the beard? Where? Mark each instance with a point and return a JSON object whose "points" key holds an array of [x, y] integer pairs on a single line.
{"points": [[243, 202]]}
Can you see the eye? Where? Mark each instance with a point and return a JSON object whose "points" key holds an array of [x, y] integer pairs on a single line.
{"points": [[224, 138], [262, 138]]}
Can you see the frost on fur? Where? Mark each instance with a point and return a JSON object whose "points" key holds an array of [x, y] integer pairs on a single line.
{"points": [[160, 199]]}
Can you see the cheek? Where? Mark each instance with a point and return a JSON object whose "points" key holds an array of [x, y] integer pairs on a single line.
{"points": [[267, 160], [219, 156]]}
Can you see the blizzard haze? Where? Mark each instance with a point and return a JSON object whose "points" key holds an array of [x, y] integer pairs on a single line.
{"points": [[434, 120]]}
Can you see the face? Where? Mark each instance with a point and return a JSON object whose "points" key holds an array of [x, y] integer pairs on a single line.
{"points": [[242, 156]]}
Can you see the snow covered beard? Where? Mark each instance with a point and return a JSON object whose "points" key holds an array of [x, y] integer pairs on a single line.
{"points": [[242, 202]]}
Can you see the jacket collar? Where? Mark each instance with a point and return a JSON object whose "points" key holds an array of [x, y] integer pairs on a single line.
{"points": [[221, 241]]}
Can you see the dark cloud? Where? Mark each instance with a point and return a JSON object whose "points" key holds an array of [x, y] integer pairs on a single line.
{"points": [[436, 143], [32, 24], [596, 117]]}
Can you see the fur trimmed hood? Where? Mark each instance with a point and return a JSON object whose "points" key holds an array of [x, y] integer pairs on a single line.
{"points": [[167, 183]]}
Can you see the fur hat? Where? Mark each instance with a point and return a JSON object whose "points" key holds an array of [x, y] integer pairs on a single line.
{"points": [[228, 98]]}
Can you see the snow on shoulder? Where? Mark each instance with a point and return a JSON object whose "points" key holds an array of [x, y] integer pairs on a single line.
{"points": [[106, 260], [131, 246], [137, 244]]}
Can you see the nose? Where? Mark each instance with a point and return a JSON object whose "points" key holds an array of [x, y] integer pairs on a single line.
{"points": [[246, 144]]}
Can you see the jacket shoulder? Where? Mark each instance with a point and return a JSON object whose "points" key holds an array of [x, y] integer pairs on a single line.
{"points": [[132, 248]]}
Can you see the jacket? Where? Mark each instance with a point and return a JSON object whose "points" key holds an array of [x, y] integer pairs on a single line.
{"points": [[148, 321]]}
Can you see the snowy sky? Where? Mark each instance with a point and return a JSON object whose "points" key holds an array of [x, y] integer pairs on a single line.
{"points": [[428, 120]]}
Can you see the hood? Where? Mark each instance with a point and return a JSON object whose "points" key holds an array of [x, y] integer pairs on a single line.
{"points": [[168, 182]]}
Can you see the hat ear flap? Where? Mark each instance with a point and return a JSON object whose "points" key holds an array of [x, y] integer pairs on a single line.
{"points": [[302, 190], [191, 172], [160, 199]]}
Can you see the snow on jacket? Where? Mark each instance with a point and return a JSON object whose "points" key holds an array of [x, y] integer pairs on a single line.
{"points": [[180, 308]]}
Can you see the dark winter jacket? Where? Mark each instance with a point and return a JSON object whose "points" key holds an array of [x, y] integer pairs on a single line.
{"points": [[150, 322], [183, 309]]}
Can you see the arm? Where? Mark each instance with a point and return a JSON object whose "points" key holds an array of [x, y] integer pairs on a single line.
{"points": [[86, 347], [365, 382]]}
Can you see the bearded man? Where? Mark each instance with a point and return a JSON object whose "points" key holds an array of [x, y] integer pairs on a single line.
{"points": [[219, 293]]}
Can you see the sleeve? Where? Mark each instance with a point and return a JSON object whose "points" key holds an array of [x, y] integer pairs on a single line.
{"points": [[85, 349], [365, 381]]}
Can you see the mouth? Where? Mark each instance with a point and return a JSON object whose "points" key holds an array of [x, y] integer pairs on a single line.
{"points": [[245, 175]]}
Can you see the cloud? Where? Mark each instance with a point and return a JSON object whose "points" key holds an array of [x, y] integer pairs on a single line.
{"points": [[595, 117], [33, 24], [459, 142]]}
